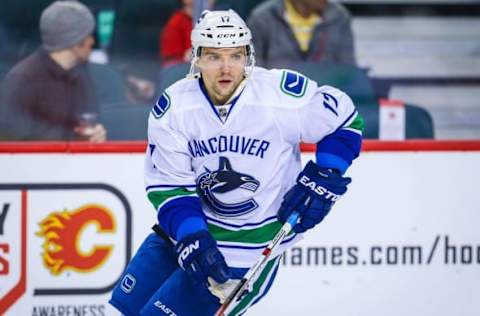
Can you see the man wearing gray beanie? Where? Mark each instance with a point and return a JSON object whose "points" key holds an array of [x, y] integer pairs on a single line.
{"points": [[49, 95], [64, 24]]}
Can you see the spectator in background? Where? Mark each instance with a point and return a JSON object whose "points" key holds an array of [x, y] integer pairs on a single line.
{"points": [[175, 46], [287, 31], [49, 95], [174, 42]]}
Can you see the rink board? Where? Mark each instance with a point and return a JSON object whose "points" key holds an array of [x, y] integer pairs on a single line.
{"points": [[403, 241]]}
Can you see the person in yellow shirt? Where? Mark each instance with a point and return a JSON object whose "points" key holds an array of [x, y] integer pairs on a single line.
{"points": [[291, 31]]}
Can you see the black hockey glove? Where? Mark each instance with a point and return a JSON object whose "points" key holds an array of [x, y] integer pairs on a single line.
{"points": [[199, 256], [317, 189]]}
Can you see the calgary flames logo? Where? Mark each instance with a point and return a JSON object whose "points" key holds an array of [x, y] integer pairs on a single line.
{"points": [[63, 231]]}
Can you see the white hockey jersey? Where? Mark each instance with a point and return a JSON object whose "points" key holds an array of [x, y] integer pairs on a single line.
{"points": [[240, 167]]}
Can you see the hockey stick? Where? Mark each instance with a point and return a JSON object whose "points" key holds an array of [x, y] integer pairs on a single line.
{"points": [[253, 273]]}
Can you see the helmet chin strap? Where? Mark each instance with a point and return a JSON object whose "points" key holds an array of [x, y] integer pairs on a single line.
{"points": [[249, 68], [237, 91], [192, 74]]}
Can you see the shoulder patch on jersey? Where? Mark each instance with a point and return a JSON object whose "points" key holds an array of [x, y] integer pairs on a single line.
{"points": [[293, 84], [162, 105]]}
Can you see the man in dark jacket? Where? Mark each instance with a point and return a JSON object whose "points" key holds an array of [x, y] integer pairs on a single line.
{"points": [[49, 95], [287, 32]]}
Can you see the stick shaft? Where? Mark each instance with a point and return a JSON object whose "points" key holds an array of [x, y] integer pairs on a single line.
{"points": [[252, 274]]}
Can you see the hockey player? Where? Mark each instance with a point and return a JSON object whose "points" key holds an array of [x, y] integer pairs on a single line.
{"points": [[223, 171]]}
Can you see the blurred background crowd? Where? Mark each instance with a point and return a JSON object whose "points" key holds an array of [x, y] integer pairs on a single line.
{"points": [[91, 70]]}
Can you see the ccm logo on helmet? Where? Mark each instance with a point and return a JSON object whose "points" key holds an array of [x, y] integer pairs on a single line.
{"points": [[319, 189], [226, 35]]}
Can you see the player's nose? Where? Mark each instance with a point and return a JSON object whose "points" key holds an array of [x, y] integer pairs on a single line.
{"points": [[225, 66]]}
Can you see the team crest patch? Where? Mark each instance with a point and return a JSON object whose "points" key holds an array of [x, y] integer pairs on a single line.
{"points": [[162, 105], [293, 84], [212, 185]]}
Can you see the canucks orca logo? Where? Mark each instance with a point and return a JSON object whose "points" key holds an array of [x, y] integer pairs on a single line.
{"points": [[223, 180]]}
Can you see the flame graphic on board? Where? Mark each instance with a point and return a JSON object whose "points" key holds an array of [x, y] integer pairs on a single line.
{"points": [[63, 232]]}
